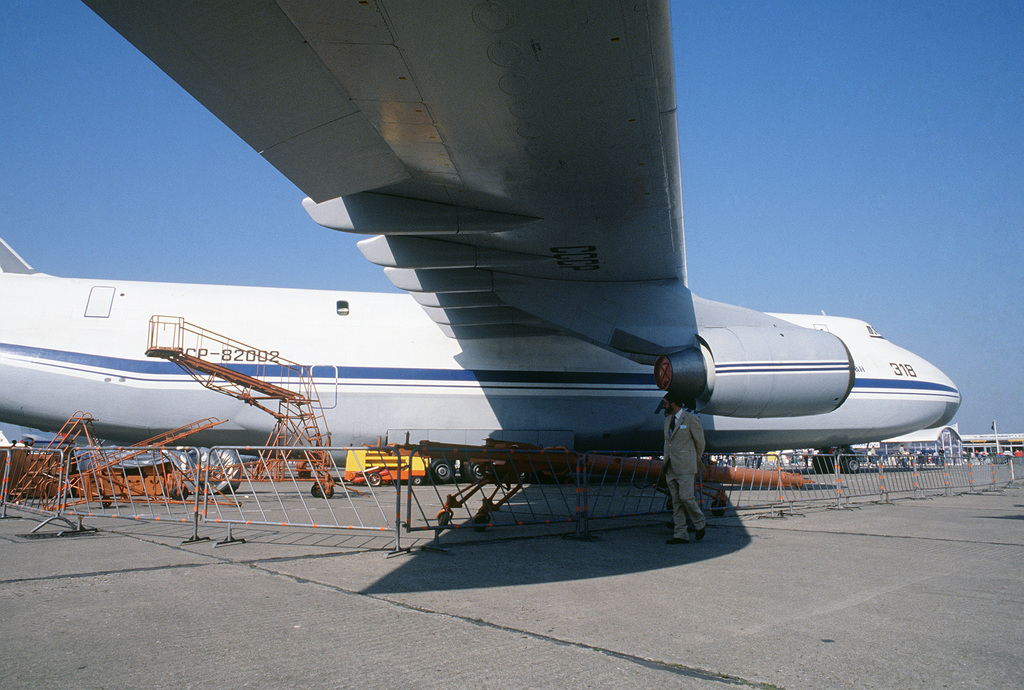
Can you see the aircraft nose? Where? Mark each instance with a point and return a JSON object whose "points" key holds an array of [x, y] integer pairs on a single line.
{"points": [[947, 416], [952, 399]]}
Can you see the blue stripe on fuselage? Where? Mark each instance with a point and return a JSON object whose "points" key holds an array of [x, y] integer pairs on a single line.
{"points": [[905, 384], [117, 366]]}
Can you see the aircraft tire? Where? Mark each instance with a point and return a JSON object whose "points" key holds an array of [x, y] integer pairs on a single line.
{"points": [[177, 491], [823, 464], [443, 471], [472, 471], [480, 523]]}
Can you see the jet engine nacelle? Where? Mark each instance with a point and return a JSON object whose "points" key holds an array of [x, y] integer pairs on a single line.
{"points": [[757, 371]]}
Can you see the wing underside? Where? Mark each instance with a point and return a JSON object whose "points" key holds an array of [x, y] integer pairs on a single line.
{"points": [[505, 158]]}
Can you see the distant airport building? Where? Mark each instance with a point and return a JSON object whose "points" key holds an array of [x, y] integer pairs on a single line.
{"points": [[994, 444], [941, 442]]}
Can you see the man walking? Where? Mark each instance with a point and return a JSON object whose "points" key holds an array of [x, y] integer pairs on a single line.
{"points": [[684, 446]]}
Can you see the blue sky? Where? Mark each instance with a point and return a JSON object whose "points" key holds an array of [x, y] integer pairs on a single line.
{"points": [[865, 159]]}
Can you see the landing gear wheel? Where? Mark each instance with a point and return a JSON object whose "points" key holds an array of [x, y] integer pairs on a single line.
{"points": [[327, 491], [443, 471], [176, 489], [481, 522], [823, 464], [472, 471], [176, 494]]}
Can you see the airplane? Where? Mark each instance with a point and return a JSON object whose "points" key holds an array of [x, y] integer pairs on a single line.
{"points": [[515, 168]]}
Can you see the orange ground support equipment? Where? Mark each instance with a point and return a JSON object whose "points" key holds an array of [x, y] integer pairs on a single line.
{"points": [[300, 428], [148, 470], [504, 468], [34, 475], [499, 468], [383, 465], [75, 459]]}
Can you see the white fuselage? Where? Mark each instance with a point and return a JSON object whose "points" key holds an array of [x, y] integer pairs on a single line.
{"points": [[384, 370]]}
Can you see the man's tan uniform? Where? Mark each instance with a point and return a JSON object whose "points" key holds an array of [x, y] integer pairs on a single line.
{"points": [[684, 446]]}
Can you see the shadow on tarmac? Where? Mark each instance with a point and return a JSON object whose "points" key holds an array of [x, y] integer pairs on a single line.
{"points": [[509, 561]]}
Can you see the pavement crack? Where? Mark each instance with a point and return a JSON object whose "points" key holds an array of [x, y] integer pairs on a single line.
{"points": [[653, 664], [103, 573]]}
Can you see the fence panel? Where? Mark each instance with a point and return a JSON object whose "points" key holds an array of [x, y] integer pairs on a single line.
{"points": [[147, 482], [33, 480], [254, 485], [276, 486], [623, 485], [5, 458], [480, 488]]}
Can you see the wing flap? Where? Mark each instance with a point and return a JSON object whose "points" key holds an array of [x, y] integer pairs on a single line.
{"points": [[370, 214]]}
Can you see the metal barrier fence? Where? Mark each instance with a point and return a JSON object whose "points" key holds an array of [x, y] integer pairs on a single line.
{"points": [[253, 486], [433, 488], [298, 496], [509, 487], [33, 482], [838, 480]]}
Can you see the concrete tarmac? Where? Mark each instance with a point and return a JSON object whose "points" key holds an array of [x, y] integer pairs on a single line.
{"points": [[918, 593]]}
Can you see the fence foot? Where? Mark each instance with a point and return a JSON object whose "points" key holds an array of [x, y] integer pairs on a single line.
{"points": [[582, 532], [779, 511], [434, 545], [193, 539], [407, 550], [581, 537], [230, 540], [75, 528], [195, 531]]}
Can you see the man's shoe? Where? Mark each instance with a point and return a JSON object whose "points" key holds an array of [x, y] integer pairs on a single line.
{"points": [[677, 540], [700, 534]]}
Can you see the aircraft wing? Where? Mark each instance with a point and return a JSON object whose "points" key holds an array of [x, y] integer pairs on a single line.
{"points": [[516, 163]]}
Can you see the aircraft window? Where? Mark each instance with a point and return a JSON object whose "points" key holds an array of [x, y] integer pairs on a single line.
{"points": [[342, 307], [873, 333]]}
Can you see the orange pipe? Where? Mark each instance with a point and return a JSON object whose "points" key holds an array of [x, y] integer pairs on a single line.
{"points": [[717, 474], [765, 479]]}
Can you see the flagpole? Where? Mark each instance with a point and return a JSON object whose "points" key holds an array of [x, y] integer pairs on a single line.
{"points": [[996, 430]]}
